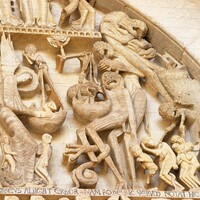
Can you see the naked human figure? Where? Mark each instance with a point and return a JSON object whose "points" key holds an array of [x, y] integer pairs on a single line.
{"points": [[8, 154], [145, 161], [187, 161], [167, 160], [45, 153]]}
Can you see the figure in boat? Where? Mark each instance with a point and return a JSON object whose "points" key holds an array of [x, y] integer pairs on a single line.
{"points": [[19, 81]]}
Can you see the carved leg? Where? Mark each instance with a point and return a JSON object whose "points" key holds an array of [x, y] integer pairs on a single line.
{"points": [[182, 177], [114, 145], [78, 24], [95, 137], [11, 162]]}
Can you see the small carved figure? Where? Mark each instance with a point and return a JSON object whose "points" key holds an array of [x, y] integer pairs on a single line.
{"points": [[87, 15], [167, 160], [187, 160], [8, 154], [145, 161], [45, 153]]}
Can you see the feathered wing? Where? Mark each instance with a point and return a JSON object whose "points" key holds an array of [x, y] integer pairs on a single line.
{"points": [[22, 143]]}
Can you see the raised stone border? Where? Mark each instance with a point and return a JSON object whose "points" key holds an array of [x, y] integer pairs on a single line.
{"points": [[28, 30], [100, 193]]}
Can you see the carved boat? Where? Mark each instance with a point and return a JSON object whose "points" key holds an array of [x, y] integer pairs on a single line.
{"points": [[12, 99]]}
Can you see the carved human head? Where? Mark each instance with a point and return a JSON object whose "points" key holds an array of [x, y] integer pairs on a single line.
{"points": [[136, 151], [30, 50], [176, 148], [149, 142], [83, 197], [88, 89], [103, 49], [46, 138], [177, 139], [111, 80], [167, 110]]}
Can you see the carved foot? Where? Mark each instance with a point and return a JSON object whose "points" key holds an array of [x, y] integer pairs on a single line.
{"points": [[13, 21]]}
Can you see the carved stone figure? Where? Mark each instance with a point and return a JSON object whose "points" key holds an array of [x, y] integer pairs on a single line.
{"points": [[167, 160], [7, 17], [44, 17], [145, 161], [21, 158], [126, 37], [45, 153], [187, 160], [52, 112], [8, 154], [87, 15]]}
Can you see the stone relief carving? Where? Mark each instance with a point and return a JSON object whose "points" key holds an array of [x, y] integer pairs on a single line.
{"points": [[108, 99]]}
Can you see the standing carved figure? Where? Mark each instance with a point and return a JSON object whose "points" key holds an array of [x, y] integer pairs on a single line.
{"points": [[8, 154], [87, 15], [6, 15], [43, 17], [122, 113], [45, 153], [187, 160], [145, 161], [167, 160]]}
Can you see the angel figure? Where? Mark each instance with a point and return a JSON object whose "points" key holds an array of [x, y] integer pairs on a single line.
{"points": [[8, 154], [45, 153]]}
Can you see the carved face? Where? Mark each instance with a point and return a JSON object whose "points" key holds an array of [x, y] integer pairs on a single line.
{"points": [[176, 147], [148, 141], [177, 139], [89, 90], [136, 151], [46, 138], [112, 80], [30, 50], [167, 110]]}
